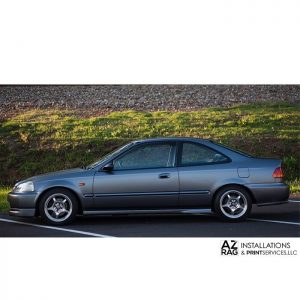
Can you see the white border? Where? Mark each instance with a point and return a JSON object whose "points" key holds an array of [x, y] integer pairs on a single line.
{"points": [[158, 41], [142, 269]]}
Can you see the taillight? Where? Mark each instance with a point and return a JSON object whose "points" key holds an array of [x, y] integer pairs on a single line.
{"points": [[278, 173]]}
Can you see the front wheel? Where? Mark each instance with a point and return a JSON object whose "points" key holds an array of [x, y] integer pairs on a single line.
{"points": [[233, 203], [58, 207]]}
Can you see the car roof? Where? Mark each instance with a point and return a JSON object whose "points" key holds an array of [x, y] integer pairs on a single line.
{"points": [[171, 139]]}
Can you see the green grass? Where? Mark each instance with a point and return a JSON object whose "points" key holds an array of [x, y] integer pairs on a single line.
{"points": [[39, 141], [3, 202]]}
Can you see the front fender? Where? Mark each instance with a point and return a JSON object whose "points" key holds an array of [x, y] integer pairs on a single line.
{"points": [[82, 188]]}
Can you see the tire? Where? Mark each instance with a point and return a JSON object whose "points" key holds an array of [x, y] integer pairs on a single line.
{"points": [[58, 206], [233, 203]]}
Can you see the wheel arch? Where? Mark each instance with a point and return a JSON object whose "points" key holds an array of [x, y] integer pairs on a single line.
{"points": [[80, 209], [232, 185]]}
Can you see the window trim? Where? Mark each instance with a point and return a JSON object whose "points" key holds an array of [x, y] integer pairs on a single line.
{"points": [[174, 154], [180, 150]]}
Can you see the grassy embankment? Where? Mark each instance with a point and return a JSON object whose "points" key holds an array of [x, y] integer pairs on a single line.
{"points": [[40, 141]]}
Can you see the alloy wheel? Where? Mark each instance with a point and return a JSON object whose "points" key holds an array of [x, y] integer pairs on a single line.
{"points": [[233, 204], [58, 207]]}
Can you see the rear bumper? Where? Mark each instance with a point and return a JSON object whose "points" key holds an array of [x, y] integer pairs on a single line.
{"points": [[269, 194], [22, 204]]}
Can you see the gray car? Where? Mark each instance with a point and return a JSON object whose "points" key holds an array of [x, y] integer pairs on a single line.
{"points": [[162, 175]]}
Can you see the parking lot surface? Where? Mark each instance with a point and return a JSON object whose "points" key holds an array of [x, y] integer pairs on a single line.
{"points": [[269, 221]]}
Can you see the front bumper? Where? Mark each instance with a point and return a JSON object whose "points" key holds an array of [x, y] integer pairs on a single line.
{"points": [[270, 193], [22, 204]]}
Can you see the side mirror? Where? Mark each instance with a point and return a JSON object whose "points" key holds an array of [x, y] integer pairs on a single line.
{"points": [[108, 167]]}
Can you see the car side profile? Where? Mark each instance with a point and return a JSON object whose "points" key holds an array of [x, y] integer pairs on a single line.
{"points": [[161, 175]]}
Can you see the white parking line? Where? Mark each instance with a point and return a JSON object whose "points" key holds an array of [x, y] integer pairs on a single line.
{"points": [[274, 221], [294, 201], [57, 228]]}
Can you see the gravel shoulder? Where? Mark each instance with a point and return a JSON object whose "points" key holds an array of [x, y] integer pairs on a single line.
{"points": [[90, 100]]}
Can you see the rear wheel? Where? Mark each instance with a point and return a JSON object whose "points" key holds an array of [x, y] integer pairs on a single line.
{"points": [[233, 203], [58, 207]]}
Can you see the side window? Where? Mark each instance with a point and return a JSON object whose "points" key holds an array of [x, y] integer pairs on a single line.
{"points": [[196, 154], [148, 156]]}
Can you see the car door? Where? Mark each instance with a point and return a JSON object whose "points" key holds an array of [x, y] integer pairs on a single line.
{"points": [[143, 177], [199, 169]]}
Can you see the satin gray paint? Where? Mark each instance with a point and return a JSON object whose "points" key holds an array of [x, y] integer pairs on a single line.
{"points": [[136, 188], [190, 187]]}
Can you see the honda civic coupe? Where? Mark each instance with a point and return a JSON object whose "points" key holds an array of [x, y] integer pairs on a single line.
{"points": [[161, 175]]}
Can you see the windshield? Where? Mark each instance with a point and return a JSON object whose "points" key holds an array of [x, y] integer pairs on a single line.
{"points": [[107, 156]]}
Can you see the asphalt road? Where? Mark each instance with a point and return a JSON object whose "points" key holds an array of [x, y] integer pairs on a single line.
{"points": [[272, 221]]}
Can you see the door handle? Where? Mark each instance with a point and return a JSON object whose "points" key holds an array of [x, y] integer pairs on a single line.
{"points": [[164, 175]]}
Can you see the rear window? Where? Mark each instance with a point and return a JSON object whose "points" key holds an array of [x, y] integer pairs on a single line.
{"points": [[193, 154]]}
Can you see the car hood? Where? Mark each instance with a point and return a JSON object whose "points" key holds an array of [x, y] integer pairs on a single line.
{"points": [[55, 175]]}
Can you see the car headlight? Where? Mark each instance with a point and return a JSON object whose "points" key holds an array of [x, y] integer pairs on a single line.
{"points": [[27, 186]]}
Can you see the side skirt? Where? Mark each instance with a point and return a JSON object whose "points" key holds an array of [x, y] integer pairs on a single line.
{"points": [[148, 211]]}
